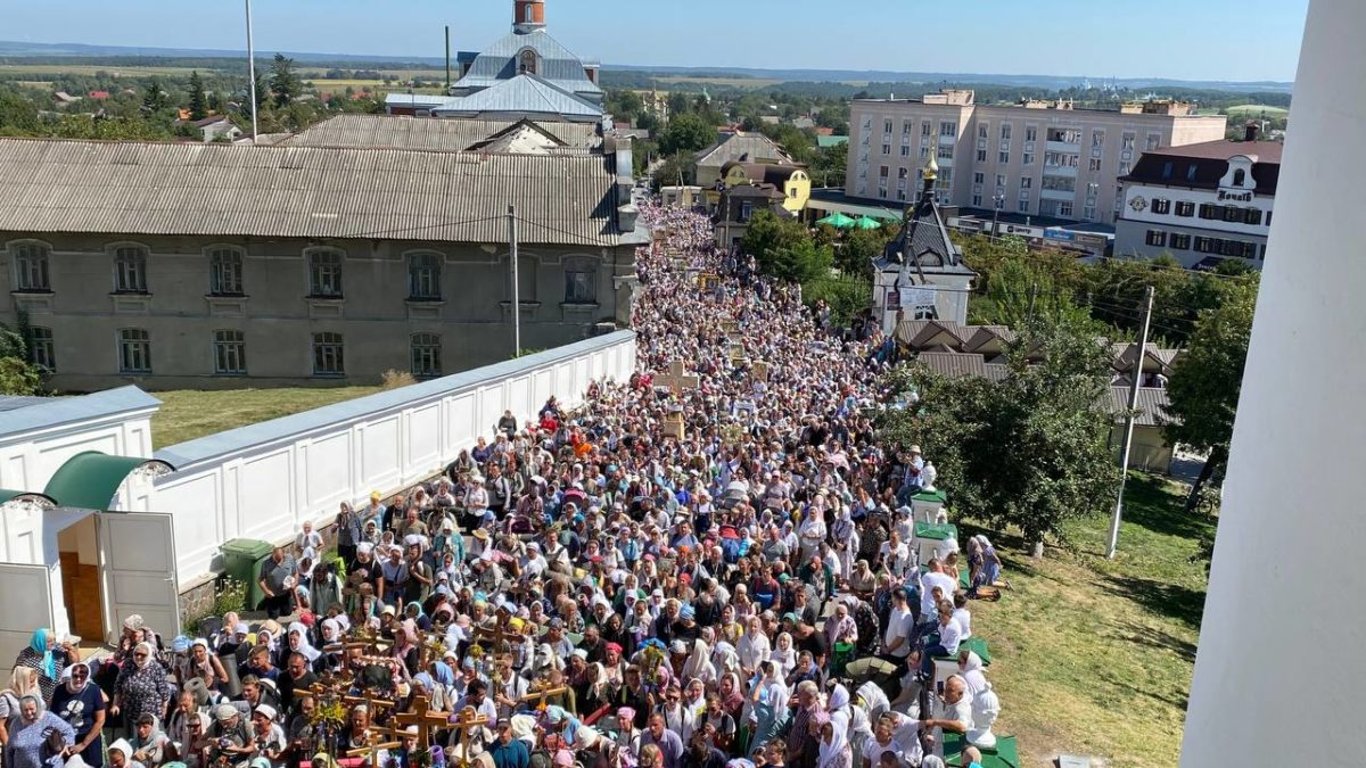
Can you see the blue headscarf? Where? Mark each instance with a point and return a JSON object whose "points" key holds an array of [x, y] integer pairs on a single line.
{"points": [[443, 674], [39, 646]]}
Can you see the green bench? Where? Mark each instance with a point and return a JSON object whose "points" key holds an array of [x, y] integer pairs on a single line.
{"points": [[1006, 753]]}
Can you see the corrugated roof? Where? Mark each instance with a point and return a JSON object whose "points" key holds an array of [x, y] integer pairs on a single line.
{"points": [[752, 147], [424, 133], [1152, 405], [523, 94], [953, 364], [187, 454], [133, 189], [555, 63]]}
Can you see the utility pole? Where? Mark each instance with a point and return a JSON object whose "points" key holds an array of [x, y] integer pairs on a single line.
{"points": [[516, 288], [1033, 294], [448, 59], [1137, 378], [251, 73]]}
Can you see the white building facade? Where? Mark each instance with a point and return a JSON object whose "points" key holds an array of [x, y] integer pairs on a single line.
{"points": [[1201, 203]]}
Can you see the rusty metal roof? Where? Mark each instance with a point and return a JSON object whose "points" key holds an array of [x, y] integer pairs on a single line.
{"points": [[133, 188]]}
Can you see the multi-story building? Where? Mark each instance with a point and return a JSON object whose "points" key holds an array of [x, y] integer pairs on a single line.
{"points": [[1037, 158], [1201, 203]]}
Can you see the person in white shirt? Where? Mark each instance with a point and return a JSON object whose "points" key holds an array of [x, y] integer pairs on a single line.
{"points": [[953, 713], [950, 635], [934, 577], [882, 741], [896, 641], [961, 614], [896, 558]]}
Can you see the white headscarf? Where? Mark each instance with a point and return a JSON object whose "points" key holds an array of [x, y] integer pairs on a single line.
{"points": [[838, 744], [305, 647], [69, 677], [971, 672]]}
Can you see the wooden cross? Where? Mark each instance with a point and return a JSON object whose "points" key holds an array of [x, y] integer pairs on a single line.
{"points": [[469, 720], [432, 644], [543, 694], [372, 747], [499, 634], [677, 378], [421, 714], [373, 704]]}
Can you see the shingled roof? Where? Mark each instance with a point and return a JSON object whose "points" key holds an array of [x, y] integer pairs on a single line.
{"points": [[132, 188]]}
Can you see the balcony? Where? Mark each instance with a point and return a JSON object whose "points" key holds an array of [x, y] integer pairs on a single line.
{"points": [[1062, 195], [1065, 171], [1063, 146]]}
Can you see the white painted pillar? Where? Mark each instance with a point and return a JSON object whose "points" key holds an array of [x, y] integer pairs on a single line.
{"points": [[1279, 676]]}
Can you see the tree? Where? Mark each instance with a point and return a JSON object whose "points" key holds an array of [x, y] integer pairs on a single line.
{"points": [[1029, 451], [154, 98], [784, 249], [675, 170], [18, 376], [686, 133], [1204, 388], [854, 256], [198, 106], [284, 83]]}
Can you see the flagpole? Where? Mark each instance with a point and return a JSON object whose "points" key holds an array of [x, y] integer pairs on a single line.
{"points": [[251, 72]]}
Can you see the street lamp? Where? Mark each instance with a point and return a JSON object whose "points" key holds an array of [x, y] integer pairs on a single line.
{"points": [[1000, 201]]}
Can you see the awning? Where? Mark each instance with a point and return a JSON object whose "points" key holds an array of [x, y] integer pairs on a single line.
{"points": [[30, 497], [90, 480]]}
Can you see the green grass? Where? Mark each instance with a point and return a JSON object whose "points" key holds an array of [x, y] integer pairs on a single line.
{"points": [[91, 70], [1094, 656], [1256, 109], [187, 414]]}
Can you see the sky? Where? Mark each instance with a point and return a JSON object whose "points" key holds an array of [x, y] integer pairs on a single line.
{"points": [[1238, 40]]}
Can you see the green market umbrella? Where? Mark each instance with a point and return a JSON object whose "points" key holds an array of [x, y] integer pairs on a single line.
{"points": [[865, 222], [837, 220]]}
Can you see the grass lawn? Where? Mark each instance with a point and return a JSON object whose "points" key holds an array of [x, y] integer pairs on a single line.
{"points": [[1257, 109], [186, 414], [1094, 656]]}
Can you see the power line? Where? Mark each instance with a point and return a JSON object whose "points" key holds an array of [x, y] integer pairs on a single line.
{"points": [[404, 230]]}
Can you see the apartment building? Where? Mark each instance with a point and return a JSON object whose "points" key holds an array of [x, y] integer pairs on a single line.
{"points": [[1037, 158]]}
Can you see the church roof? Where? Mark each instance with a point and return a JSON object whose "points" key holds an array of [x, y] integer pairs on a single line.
{"points": [[923, 243], [556, 63], [526, 95]]}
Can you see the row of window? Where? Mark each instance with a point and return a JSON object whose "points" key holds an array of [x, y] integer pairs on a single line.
{"points": [[325, 273], [1180, 241], [1233, 214], [328, 352]]}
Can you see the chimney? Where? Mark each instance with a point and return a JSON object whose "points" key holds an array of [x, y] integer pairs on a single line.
{"points": [[1250, 131]]}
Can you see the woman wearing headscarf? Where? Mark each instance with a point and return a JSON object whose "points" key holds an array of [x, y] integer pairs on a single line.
{"points": [[768, 704], [699, 664], [44, 655], [81, 704], [23, 681], [834, 745], [30, 733], [405, 648], [205, 664], [121, 755], [141, 687], [784, 654], [753, 647]]}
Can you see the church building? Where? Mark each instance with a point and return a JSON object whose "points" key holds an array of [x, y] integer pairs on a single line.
{"points": [[525, 74]]}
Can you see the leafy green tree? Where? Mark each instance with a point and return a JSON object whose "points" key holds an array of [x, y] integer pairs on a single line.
{"points": [[855, 254], [1029, 451], [675, 170], [18, 114], [686, 133], [199, 108], [783, 248], [1203, 390], [1021, 290], [18, 376], [284, 82]]}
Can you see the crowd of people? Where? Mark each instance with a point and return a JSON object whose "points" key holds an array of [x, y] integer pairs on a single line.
{"points": [[707, 570]]}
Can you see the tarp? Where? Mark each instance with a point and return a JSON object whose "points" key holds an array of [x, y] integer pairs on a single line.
{"points": [[89, 480]]}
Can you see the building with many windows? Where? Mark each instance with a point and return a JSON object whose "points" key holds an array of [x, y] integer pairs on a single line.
{"points": [[325, 261], [1201, 203], [1037, 158]]}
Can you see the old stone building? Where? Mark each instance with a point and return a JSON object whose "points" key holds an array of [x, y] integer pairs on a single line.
{"points": [[325, 260]]}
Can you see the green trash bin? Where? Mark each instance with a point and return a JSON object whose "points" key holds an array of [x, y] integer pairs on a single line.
{"points": [[242, 560]]}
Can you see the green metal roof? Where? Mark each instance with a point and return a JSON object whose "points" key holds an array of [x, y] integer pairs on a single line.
{"points": [[90, 480], [831, 141], [6, 495]]}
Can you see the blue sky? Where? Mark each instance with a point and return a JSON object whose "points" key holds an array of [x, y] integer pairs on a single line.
{"points": [[1185, 39]]}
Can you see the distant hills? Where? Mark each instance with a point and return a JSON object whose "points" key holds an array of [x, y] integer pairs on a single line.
{"points": [[17, 50]]}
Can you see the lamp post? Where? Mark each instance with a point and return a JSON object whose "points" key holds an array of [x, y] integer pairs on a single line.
{"points": [[999, 200], [251, 73]]}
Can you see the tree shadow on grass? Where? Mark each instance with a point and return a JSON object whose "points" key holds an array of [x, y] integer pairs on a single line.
{"points": [[1171, 600], [1176, 699], [1149, 503], [1152, 637]]}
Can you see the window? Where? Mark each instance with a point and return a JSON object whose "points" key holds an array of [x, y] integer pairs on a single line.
{"points": [[979, 177], [1239, 177], [925, 128], [1167, 169], [905, 150], [327, 355], [901, 194], [924, 152], [1268, 218], [948, 129], [1028, 158], [902, 173], [1154, 141], [1179, 242], [1161, 205], [1233, 213], [981, 155], [905, 127], [581, 282], [882, 171], [1205, 244], [424, 276], [886, 149], [1024, 205], [887, 126], [882, 190], [229, 353], [1094, 165], [976, 201], [1089, 213], [1065, 209], [1005, 131], [426, 355], [1003, 158], [1064, 135], [135, 351], [225, 272], [1097, 139], [1185, 208], [1060, 183], [982, 131], [325, 274], [41, 351], [1000, 180], [1026, 182], [1127, 142], [1031, 133], [1092, 189], [528, 61], [946, 152], [1125, 167], [130, 269], [30, 267], [1209, 211], [1156, 238], [746, 210]]}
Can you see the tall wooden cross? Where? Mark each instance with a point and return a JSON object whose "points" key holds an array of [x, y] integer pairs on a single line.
{"points": [[468, 720], [498, 634], [677, 378], [421, 714], [373, 746], [544, 693]]}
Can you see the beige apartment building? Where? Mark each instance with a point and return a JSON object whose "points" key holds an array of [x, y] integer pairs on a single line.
{"points": [[1037, 158]]}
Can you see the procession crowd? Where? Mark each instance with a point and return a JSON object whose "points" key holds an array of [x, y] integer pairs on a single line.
{"points": [[710, 568]]}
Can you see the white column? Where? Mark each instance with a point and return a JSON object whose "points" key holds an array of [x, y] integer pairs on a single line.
{"points": [[1279, 676]]}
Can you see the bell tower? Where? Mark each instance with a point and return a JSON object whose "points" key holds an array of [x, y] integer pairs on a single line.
{"points": [[529, 16]]}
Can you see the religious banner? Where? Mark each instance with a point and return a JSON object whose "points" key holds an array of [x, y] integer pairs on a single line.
{"points": [[918, 296]]}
